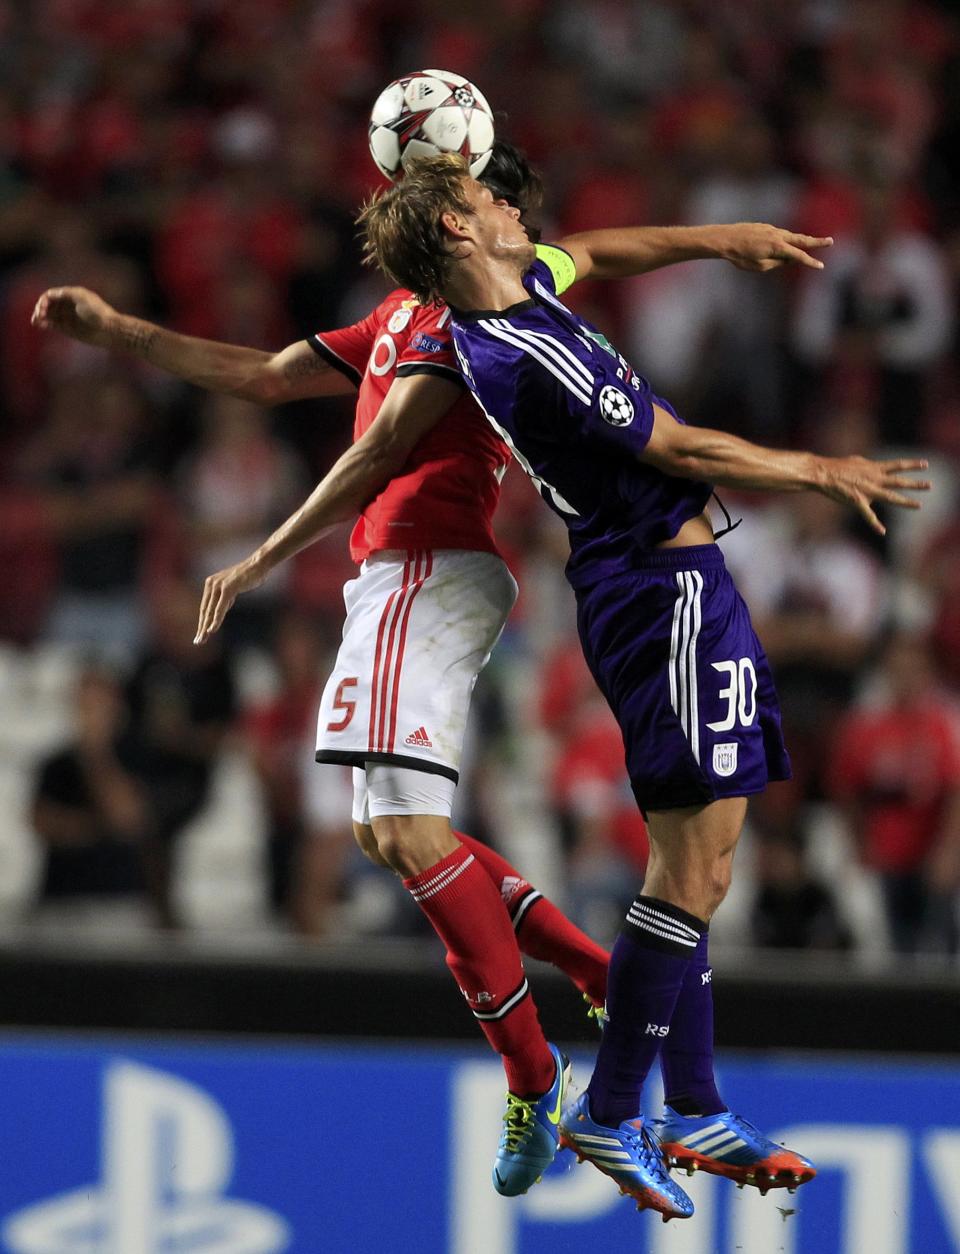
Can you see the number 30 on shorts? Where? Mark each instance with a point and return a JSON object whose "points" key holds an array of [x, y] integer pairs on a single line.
{"points": [[740, 694]]}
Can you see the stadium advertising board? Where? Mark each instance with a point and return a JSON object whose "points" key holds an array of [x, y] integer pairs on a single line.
{"points": [[111, 1147]]}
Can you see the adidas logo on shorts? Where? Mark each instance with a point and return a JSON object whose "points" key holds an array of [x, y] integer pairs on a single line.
{"points": [[419, 739]]}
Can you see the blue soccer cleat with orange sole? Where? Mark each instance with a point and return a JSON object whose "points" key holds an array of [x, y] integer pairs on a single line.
{"points": [[629, 1155], [727, 1145]]}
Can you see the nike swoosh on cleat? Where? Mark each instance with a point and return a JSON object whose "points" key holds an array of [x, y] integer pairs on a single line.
{"points": [[500, 1179], [554, 1115]]}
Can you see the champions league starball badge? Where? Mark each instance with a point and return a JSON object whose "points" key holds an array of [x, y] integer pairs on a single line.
{"points": [[616, 407]]}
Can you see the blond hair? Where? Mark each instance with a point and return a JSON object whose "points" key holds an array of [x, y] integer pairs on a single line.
{"points": [[401, 225]]}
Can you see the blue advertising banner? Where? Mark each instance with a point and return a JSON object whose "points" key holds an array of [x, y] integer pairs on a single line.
{"points": [[113, 1147]]}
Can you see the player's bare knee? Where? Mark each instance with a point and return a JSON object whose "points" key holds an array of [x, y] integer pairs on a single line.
{"points": [[712, 885], [363, 835], [698, 885], [394, 841], [401, 843], [410, 843]]}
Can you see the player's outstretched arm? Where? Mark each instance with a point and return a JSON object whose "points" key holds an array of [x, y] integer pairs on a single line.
{"points": [[617, 253], [264, 378], [411, 408], [715, 456]]}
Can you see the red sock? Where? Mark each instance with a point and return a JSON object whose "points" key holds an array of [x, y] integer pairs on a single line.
{"points": [[467, 914], [542, 930]]}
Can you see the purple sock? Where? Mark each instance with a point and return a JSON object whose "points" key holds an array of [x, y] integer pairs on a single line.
{"points": [[647, 967], [686, 1059]]}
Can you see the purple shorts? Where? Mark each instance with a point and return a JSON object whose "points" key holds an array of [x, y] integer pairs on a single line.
{"points": [[673, 650]]}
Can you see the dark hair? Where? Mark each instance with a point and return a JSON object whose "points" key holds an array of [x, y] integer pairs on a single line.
{"points": [[401, 224], [510, 177]]}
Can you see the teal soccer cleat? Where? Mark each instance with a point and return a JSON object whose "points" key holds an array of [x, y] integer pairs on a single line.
{"points": [[528, 1143], [726, 1145], [629, 1155]]}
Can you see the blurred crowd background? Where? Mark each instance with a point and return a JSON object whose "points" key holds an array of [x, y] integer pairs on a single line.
{"points": [[199, 162]]}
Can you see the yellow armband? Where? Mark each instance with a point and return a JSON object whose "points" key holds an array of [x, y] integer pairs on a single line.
{"points": [[560, 264]]}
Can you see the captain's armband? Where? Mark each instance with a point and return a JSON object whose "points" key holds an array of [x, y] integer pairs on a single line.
{"points": [[560, 264]]}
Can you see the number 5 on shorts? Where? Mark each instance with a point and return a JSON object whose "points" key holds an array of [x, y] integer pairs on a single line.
{"points": [[340, 702]]}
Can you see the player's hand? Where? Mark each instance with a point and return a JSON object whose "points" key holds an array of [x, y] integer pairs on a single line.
{"points": [[221, 590], [860, 481], [759, 246], [76, 312]]}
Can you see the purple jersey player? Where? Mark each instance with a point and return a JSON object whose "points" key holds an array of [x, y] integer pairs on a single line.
{"points": [[666, 634]]}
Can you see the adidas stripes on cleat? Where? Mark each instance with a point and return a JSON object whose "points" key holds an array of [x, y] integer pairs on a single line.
{"points": [[528, 1143], [629, 1155], [726, 1145]]}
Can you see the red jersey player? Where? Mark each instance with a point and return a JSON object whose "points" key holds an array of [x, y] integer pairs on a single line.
{"points": [[422, 616]]}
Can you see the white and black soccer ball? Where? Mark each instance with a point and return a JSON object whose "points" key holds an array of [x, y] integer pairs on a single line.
{"points": [[423, 114]]}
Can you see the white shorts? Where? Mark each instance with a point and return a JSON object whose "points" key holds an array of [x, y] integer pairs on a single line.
{"points": [[420, 627], [384, 789]]}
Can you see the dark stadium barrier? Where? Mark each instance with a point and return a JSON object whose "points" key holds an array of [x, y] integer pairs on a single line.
{"points": [[402, 990]]}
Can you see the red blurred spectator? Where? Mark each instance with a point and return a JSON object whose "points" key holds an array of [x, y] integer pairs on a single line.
{"points": [[31, 363], [589, 783], [883, 304], [940, 574], [896, 769], [237, 486], [209, 232]]}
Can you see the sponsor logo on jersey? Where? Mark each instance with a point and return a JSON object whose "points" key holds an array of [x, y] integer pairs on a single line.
{"points": [[426, 343], [399, 319], [725, 758], [601, 341], [616, 407], [419, 739]]}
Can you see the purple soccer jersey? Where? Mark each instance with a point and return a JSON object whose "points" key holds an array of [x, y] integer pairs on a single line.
{"points": [[577, 416], [664, 631]]}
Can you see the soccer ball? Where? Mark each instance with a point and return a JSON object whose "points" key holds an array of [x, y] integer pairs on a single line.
{"points": [[426, 113]]}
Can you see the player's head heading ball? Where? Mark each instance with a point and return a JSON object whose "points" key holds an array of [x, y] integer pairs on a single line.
{"points": [[403, 232], [437, 218]]}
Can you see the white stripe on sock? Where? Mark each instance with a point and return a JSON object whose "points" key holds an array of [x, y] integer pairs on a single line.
{"points": [[661, 932], [525, 905], [507, 1005], [660, 916], [440, 882]]}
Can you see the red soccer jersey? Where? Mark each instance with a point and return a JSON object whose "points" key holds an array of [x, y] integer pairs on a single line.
{"points": [[446, 493]]}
